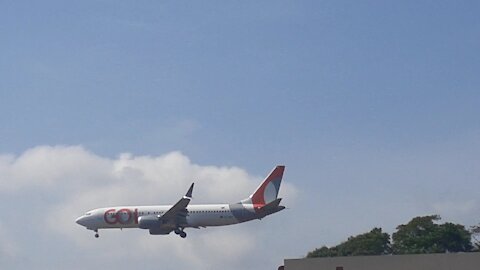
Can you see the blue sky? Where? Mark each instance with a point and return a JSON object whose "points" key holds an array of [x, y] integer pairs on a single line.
{"points": [[372, 105]]}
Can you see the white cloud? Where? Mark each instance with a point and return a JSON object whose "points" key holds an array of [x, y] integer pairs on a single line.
{"points": [[85, 181], [45, 165]]}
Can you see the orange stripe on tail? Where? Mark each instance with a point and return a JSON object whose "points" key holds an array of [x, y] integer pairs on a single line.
{"points": [[268, 190]]}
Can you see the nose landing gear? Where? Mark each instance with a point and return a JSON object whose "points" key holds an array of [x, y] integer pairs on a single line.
{"points": [[96, 234]]}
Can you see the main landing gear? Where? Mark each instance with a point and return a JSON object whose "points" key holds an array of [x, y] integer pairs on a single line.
{"points": [[180, 232]]}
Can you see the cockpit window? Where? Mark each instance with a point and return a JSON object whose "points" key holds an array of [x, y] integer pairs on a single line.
{"points": [[88, 213]]}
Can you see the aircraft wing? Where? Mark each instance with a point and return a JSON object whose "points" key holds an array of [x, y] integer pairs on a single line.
{"points": [[177, 214]]}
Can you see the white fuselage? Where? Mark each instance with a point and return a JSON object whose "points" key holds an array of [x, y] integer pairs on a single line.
{"points": [[128, 216]]}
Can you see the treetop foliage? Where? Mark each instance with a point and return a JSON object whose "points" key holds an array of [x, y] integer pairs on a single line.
{"points": [[374, 242], [420, 235]]}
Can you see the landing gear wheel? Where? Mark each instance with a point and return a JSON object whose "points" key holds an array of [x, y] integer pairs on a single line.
{"points": [[183, 234], [96, 234], [177, 231]]}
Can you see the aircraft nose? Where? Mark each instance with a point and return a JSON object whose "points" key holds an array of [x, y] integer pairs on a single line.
{"points": [[81, 221]]}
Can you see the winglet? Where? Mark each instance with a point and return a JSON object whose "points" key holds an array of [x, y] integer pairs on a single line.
{"points": [[190, 191]]}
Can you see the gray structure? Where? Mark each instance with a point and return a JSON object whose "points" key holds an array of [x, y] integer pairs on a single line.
{"points": [[451, 261]]}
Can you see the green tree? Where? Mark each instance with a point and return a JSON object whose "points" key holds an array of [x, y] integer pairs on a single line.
{"points": [[420, 235], [374, 242], [475, 230], [423, 235], [322, 252]]}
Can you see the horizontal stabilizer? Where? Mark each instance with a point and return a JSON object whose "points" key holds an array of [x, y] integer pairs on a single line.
{"points": [[272, 205]]}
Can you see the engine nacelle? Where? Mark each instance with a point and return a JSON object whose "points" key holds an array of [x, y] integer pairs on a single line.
{"points": [[152, 224], [160, 231], [148, 222]]}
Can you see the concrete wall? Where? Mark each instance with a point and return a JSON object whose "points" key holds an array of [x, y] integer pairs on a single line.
{"points": [[453, 261]]}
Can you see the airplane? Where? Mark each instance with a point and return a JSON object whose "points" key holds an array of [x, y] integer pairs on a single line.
{"points": [[163, 219]]}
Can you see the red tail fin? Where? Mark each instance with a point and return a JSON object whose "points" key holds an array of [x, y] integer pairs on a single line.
{"points": [[268, 190]]}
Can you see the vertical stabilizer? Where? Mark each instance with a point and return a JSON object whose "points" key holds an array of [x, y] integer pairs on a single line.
{"points": [[268, 190]]}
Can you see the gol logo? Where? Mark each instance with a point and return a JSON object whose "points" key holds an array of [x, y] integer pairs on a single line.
{"points": [[122, 216]]}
